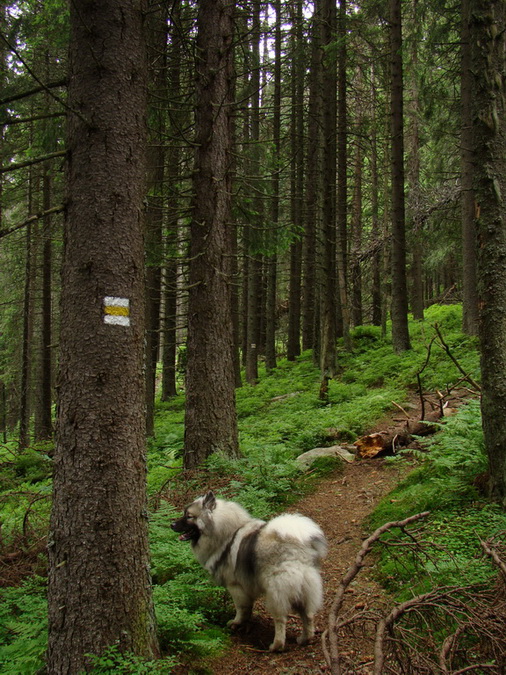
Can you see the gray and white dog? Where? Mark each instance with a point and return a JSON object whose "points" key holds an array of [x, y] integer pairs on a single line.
{"points": [[251, 558]]}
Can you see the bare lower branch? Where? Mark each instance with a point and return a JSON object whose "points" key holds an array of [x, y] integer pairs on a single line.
{"points": [[31, 92], [31, 162], [31, 219]]}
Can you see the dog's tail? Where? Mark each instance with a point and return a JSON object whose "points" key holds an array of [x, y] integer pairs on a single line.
{"points": [[302, 529]]}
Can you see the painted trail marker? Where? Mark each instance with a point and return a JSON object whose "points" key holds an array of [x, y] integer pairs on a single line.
{"points": [[117, 311]]}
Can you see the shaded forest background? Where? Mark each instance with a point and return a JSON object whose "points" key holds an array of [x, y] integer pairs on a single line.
{"points": [[311, 184]]}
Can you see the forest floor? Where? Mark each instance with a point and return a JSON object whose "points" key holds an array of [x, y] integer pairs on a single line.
{"points": [[340, 504]]}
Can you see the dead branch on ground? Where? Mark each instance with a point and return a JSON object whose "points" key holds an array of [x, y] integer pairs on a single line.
{"points": [[449, 630]]}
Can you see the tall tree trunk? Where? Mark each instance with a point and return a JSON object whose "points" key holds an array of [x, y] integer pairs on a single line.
{"points": [[488, 33], [210, 420], [296, 182], [3, 411], [44, 422], [342, 181], [99, 580], [356, 231], [377, 259], [328, 295], [470, 313], [400, 331], [26, 347], [3, 70], [271, 262], [170, 278], [254, 267], [413, 175], [157, 69], [312, 189], [25, 402]]}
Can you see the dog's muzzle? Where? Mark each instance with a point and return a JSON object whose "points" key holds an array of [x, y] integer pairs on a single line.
{"points": [[188, 531]]}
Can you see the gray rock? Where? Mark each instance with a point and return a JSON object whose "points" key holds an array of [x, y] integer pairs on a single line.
{"points": [[307, 458]]}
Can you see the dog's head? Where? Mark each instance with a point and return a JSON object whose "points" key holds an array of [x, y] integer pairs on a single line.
{"points": [[195, 518]]}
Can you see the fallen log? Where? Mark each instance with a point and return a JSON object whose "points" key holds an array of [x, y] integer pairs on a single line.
{"points": [[390, 441]]}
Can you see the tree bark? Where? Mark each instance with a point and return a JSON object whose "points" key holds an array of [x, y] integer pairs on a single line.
{"points": [[400, 332], [26, 347], [356, 221], [413, 175], [210, 420], [157, 70], [343, 316], [470, 312], [488, 26], [44, 421], [312, 190], [255, 229], [377, 261], [99, 578], [170, 280], [296, 183], [328, 295], [271, 262]]}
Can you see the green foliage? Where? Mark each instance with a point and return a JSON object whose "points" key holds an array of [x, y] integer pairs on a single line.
{"points": [[373, 363], [263, 480], [452, 552], [113, 662], [322, 466], [444, 485], [185, 609], [23, 627], [188, 605], [279, 419], [454, 458], [168, 556]]}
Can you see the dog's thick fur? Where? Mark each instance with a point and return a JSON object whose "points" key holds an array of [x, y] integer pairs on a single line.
{"points": [[251, 558]]}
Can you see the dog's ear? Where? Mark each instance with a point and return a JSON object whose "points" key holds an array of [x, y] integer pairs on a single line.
{"points": [[209, 501]]}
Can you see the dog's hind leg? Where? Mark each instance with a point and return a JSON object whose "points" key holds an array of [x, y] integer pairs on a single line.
{"points": [[307, 626], [279, 633], [243, 606], [278, 609]]}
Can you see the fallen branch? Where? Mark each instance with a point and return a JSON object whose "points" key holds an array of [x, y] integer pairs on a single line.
{"points": [[451, 630], [492, 553], [331, 651]]}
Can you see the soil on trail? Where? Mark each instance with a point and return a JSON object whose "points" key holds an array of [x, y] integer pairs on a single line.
{"points": [[339, 505]]}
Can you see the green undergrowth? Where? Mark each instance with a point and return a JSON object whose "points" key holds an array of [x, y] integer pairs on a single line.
{"points": [[279, 418], [447, 484]]}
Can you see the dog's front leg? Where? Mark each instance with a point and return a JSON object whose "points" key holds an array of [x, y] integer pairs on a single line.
{"points": [[243, 606]]}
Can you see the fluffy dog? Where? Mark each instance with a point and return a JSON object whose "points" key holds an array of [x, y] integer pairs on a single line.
{"points": [[251, 558]]}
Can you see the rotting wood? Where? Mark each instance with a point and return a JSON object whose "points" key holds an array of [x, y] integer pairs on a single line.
{"points": [[390, 441]]}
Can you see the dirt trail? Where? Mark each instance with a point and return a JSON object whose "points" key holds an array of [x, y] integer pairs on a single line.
{"points": [[341, 503]]}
